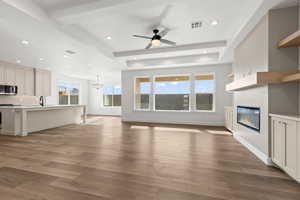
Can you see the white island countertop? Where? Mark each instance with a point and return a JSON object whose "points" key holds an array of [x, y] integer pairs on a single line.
{"points": [[38, 107], [285, 116], [21, 120]]}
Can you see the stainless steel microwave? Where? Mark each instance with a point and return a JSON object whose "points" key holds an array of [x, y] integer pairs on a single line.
{"points": [[8, 90]]}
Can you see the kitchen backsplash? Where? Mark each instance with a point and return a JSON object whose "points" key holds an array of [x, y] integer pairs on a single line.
{"points": [[17, 100]]}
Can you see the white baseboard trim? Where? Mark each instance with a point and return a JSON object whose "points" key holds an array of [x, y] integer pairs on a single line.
{"points": [[263, 157]]}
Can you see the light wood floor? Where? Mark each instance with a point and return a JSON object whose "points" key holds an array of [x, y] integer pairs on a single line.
{"points": [[106, 159]]}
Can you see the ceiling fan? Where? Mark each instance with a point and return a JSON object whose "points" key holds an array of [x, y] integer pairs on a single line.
{"points": [[157, 39]]}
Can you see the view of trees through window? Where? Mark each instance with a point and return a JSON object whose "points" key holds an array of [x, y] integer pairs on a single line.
{"points": [[172, 93], [142, 93], [112, 96], [68, 93]]}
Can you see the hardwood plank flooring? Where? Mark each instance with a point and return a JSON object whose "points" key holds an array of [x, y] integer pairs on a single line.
{"points": [[106, 159]]}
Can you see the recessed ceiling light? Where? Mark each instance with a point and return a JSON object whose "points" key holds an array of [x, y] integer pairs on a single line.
{"points": [[25, 42], [18, 61], [214, 23], [204, 52], [65, 56], [41, 59], [108, 37]]}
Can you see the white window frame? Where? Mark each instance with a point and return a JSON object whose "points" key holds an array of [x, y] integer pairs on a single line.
{"points": [[195, 94], [112, 98], [150, 95], [69, 98], [171, 75]]}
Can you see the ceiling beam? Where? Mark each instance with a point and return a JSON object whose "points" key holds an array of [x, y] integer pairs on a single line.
{"points": [[186, 47], [174, 60]]}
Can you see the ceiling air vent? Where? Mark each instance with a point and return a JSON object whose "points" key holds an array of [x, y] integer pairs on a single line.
{"points": [[70, 52], [196, 25]]}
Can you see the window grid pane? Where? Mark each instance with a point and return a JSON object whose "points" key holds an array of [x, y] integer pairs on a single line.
{"points": [[142, 93], [172, 93], [204, 91], [112, 96]]}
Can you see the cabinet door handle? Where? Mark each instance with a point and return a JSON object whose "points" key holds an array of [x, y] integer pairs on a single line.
{"points": [[285, 143], [273, 140]]}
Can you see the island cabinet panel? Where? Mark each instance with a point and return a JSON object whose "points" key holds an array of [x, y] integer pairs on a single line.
{"points": [[42, 82], [285, 144]]}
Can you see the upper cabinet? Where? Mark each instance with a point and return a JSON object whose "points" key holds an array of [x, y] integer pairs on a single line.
{"points": [[30, 81], [7, 73], [42, 82], [25, 81]]}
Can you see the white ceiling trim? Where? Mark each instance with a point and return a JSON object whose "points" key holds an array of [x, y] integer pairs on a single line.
{"points": [[177, 60], [187, 47]]}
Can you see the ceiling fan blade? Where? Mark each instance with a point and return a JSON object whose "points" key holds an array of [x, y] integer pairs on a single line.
{"points": [[149, 45], [164, 32], [157, 22], [168, 42], [165, 13], [141, 36]]}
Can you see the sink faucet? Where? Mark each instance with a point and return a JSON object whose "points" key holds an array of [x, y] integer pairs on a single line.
{"points": [[42, 101]]}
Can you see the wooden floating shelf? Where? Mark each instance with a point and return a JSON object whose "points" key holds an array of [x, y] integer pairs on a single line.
{"points": [[263, 78], [291, 41], [290, 78]]}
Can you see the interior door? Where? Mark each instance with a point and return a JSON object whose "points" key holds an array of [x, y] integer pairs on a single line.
{"points": [[277, 142]]}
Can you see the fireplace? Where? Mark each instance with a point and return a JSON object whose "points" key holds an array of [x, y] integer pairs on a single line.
{"points": [[249, 117]]}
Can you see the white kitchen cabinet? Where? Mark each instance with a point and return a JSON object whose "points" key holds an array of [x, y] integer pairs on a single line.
{"points": [[285, 142], [7, 73], [2, 74], [25, 81], [42, 82], [20, 81], [229, 118], [10, 74], [29, 82]]}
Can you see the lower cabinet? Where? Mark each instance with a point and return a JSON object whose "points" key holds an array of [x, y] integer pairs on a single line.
{"points": [[285, 142], [229, 118]]}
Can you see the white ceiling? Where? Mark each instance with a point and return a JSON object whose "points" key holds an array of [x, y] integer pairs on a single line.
{"points": [[54, 26]]}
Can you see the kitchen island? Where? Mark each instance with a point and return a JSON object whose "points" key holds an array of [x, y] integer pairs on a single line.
{"points": [[21, 120]]}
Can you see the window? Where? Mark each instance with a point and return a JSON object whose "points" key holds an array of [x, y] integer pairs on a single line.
{"points": [[112, 96], [68, 93], [142, 93], [204, 90], [172, 93]]}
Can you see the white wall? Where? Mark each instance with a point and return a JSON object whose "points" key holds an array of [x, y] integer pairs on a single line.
{"points": [[95, 105], [259, 52], [200, 118]]}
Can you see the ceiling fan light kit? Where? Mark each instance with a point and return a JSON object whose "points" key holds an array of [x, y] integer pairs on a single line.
{"points": [[156, 40]]}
